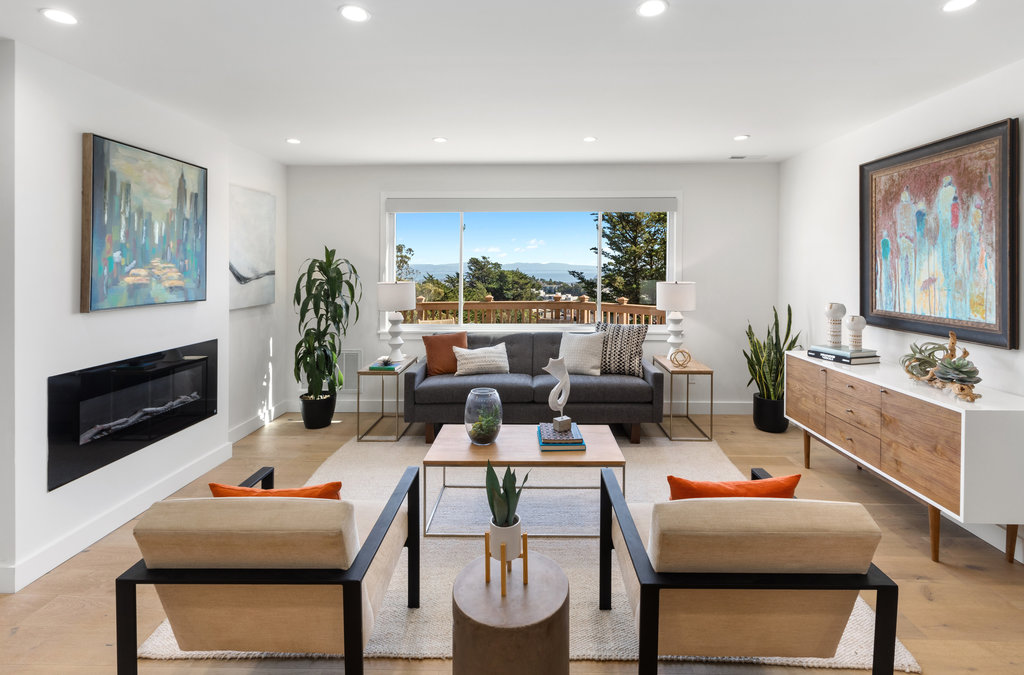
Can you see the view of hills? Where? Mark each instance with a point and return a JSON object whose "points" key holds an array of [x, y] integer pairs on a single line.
{"points": [[556, 271]]}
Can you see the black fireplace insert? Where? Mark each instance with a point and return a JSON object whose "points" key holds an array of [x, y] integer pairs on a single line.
{"points": [[99, 415]]}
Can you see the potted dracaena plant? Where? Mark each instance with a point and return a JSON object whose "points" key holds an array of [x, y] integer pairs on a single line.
{"points": [[327, 295], [503, 498], [766, 362]]}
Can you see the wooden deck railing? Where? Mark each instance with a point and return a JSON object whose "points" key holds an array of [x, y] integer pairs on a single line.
{"points": [[583, 310]]}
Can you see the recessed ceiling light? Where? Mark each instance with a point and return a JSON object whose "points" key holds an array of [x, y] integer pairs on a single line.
{"points": [[60, 16], [440, 139], [741, 137], [957, 5], [354, 13], [293, 141], [589, 139], [650, 8]]}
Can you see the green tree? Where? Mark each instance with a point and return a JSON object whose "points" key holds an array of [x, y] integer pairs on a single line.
{"points": [[633, 256], [404, 270]]}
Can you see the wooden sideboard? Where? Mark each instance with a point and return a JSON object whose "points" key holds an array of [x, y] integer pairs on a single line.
{"points": [[962, 459]]}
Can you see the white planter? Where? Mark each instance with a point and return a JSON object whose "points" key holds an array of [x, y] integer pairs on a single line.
{"points": [[511, 536]]}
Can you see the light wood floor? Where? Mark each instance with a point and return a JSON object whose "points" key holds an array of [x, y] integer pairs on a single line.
{"points": [[963, 615]]}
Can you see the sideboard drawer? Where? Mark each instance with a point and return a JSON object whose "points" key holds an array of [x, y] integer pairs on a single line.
{"points": [[805, 393], [853, 387], [854, 440], [855, 411]]}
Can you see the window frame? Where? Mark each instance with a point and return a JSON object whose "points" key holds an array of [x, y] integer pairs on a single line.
{"points": [[386, 272]]}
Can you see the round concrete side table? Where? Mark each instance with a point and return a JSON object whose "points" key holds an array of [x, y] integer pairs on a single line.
{"points": [[527, 631]]}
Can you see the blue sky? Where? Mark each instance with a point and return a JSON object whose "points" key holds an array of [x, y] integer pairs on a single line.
{"points": [[504, 237]]}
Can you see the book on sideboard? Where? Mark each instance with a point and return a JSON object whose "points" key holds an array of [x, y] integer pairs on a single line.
{"points": [[843, 350], [838, 358]]}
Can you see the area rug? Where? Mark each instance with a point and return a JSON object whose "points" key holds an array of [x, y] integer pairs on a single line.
{"points": [[371, 470]]}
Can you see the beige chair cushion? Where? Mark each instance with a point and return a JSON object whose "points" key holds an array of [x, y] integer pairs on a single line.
{"points": [[751, 535], [265, 532]]}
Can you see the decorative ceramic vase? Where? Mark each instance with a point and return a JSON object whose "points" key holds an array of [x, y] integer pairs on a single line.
{"points": [[511, 536], [855, 330], [834, 312], [483, 415]]}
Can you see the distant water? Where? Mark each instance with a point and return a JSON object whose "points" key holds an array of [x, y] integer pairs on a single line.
{"points": [[555, 271]]}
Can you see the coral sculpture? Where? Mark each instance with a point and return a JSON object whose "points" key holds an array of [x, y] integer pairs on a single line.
{"points": [[939, 366]]}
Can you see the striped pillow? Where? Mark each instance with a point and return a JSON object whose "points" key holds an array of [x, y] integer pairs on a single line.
{"points": [[479, 361], [623, 349]]}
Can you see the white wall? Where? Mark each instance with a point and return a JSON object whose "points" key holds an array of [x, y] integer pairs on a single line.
{"points": [[54, 103], [728, 244], [6, 310], [260, 337], [819, 216]]}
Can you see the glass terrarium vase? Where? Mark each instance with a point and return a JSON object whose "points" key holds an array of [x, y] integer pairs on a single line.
{"points": [[483, 415]]}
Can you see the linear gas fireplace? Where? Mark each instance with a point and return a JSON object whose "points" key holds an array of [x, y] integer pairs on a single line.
{"points": [[99, 415]]}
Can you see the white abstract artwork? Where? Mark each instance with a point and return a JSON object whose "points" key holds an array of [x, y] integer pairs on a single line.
{"points": [[252, 215]]}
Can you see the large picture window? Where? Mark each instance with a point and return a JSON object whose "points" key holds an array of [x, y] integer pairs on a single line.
{"points": [[507, 266]]}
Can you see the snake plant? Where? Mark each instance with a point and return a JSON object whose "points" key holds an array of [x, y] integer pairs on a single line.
{"points": [[766, 359], [503, 498]]}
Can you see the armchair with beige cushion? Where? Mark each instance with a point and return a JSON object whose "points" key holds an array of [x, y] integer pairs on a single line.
{"points": [[271, 574], [740, 576]]}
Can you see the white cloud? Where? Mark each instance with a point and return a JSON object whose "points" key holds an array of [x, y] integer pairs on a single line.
{"points": [[493, 249], [534, 243]]}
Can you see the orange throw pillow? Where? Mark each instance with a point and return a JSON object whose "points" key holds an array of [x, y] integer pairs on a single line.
{"points": [[330, 490], [782, 486], [440, 355]]}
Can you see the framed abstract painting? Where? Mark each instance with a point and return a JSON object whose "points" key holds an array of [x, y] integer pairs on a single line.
{"points": [[143, 227], [939, 238], [252, 217]]}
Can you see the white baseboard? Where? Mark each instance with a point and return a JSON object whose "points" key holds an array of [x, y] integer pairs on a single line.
{"points": [[243, 429], [25, 571]]}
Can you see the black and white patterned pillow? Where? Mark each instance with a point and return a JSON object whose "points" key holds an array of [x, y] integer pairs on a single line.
{"points": [[623, 349]]}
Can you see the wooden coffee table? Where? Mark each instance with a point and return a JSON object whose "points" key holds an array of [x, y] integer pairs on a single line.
{"points": [[516, 446]]}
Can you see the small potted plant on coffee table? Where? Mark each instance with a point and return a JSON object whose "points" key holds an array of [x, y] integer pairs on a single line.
{"points": [[503, 498]]}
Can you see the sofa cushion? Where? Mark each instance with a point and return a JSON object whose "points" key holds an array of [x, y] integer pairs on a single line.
{"points": [[331, 490], [512, 388], [582, 352], [440, 356], [518, 346], [486, 360], [779, 487], [596, 389], [545, 347], [623, 349]]}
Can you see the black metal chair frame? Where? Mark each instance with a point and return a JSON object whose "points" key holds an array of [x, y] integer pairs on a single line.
{"points": [[651, 583], [350, 580]]}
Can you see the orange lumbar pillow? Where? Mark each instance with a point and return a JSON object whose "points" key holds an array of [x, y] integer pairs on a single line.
{"points": [[783, 487], [440, 355], [330, 490]]}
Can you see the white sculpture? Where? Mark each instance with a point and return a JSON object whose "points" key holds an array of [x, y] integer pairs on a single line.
{"points": [[855, 327], [834, 312], [559, 394]]}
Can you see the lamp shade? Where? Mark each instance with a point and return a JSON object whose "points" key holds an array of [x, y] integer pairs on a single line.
{"points": [[396, 296], [677, 296]]}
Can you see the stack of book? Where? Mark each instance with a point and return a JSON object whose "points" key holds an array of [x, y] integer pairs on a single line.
{"points": [[844, 354], [550, 439], [380, 365]]}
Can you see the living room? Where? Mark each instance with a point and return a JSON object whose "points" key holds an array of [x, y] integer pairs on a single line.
{"points": [[752, 233]]}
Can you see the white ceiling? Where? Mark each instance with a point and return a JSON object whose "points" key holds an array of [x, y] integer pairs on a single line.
{"points": [[525, 81]]}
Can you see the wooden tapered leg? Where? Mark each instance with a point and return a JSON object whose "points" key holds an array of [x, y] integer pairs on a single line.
{"points": [[503, 554], [429, 432], [807, 450], [934, 519], [1011, 542], [526, 562], [487, 557]]}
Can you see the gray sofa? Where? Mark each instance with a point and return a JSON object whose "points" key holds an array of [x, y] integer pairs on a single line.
{"points": [[593, 399]]}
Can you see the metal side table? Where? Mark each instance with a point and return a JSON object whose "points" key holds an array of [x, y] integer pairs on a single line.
{"points": [[384, 375], [691, 368]]}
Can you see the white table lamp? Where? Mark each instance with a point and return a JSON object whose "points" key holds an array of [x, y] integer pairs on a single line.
{"points": [[395, 297], [676, 297]]}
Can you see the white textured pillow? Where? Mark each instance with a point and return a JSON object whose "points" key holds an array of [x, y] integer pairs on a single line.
{"points": [[484, 360], [582, 352]]}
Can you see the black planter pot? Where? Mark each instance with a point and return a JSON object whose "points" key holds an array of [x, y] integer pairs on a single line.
{"points": [[770, 415], [317, 412]]}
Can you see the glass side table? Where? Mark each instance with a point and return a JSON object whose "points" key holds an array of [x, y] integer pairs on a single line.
{"points": [[383, 375], [692, 368]]}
